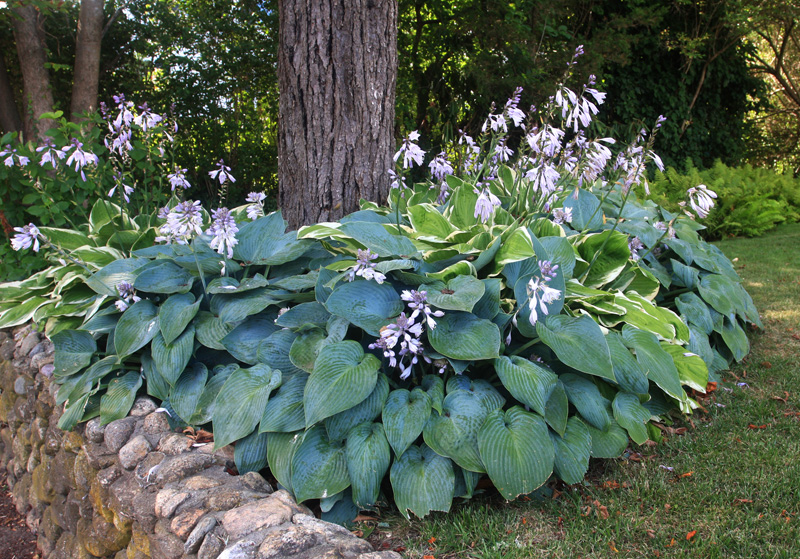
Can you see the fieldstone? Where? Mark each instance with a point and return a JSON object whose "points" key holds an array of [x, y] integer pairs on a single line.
{"points": [[84, 473], [98, 456], [52, 439], [287, 541], [197, 483], [108, 476], [7, 350], [122, 494], [255, 482], [147, 468], [101, 538], [94, 431], [41, 359], [181, 466], [184, 522], [174, 443], [143, 406], [243, 549], [224, 498], [195, 538], [156, 423], [21, 385], [28, 343], [47, 370], [118, 432], [165, 545], [134, 452], [62, 472], [256, 515], [67, 513], [211, 547], [313, 523], [167, 500], [144, 504]]}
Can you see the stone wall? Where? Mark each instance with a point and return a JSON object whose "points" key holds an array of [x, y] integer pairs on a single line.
{"points": [[133, 489]]}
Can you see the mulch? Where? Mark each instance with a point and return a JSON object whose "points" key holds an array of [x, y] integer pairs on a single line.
{"points": [[16, 540]]}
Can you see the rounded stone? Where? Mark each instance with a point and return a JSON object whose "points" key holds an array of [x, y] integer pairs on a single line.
{"points": [[156, 423], [134, 452], [174, 443], [143, 406], [95, 432], [21, 385], [118, 432]]}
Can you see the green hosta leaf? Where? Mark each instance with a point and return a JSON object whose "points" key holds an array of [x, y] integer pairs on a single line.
{"points": [[422, 481], [274, 351], [264, 242], [489, 304], [720, 292], [516, 247], [157, 386], [459, 294], [171, 359], [453, 434], [516, 450], [378, 240], [106, 280], [211, 330], [305, 313], [557, 409], [73, 413], [243, 341], [735, 338], [66, 239], [206, 404], [232, 285], [656, 362], [488, 395], [609, 443], [404, 416], [696, 311], [561, 252], [433, 385], [461, 268], [585, 396], [586, 212], [692, 370], [281, 448], [637, 315], [464, 336], [572, 451], [284, 412], [21, 313], [627, 371], [461, 210], [238, 306], [73, 351], [188, 389], [136, 328], [305, 348], [319, 466], [250, 454], [163, 276], [579, 343], [175, 314], [119, 397], [606, 261], [343, 377], [368, 457], [102, 322], [631, 415], [367, 304], [340, 424], [241, 401], [528, 382]]}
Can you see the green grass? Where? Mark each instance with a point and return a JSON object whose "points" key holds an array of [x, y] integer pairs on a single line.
{"points": [[736, 478]]}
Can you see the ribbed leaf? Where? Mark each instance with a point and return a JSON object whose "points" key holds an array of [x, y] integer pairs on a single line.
{"points": [[305, 348], [368, 457], [692, 370], [459, 294], [434, 386], [171, 359], [340, 424], [73, 351], [163, 276], [488, 395], [206, 404], [106, 280], [284, 412], [735, 338], [367, 304], [656, 362], [175, 314], [609, 443], [584, 395], [280, 452], [119, 397], [238, 306], [528, 382], [464, 336], [454, 433], [572, 451], [422, 481], [695, 310], [404, 417], [631, 416], [210, 330], [241, 401], [557, 410], [188, 388], [579, 343], [242, 342], [319, 466], [627, 371], [274, 351], [250, 454], [136, 327], [305, 313], [719, 292]]}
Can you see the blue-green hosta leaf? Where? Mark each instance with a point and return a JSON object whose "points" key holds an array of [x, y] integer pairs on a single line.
{"points": [[340, 424], [422, 481], [187, 390], [609, 443], [665, 315], [516, 450], [631, 415], [157, 386], [378, 240], [560, 252], [242, 342], [719, 292], [73, 351], [136, 328], [368, 458], [433, 385], [305, 348], [232, 285], [238, 306], [656, 362], [627, 371], [241, 401], [579, 343], [464, 336], [250, 454], [607, 253], [73, 413], [692, 370], [404, 415], [454, 433], [585, 396], [106, 280], [586, 212], [343, 376], [735, 338], [274, 351], [175, 314], [305, 313], [557, 410], [281, 448], [488, 395], [459, 294], [572, 451], [211, 330], [489, 304], [466, 482], [206, 404], [367, 304], [284, 412], [528, 382], [171, 359], [299, 282], [684, 275], [699, 344], [163, 276], [264, 242], [319, 466], [119, 397], [102, 322]]}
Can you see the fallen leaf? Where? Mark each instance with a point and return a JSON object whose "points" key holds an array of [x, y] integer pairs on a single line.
{"points": [[603, 512], [741, 501], [690, 535], [428, 557], [687, 474], [610, 484], [671, 543], [756, 427], [667, 507], [711, 387], [613, 547], [432, 540], [796, 336], [556, 494], [364, 518], [651, 534], [766, 364], [779, 399]]}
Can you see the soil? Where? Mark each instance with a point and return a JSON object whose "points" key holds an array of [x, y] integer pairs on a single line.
{"points": [[16, 540]]}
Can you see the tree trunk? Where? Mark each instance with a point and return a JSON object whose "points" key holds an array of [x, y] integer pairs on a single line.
{"points": [[86, 75], [9, 115], [337, 70], [37, 97]]}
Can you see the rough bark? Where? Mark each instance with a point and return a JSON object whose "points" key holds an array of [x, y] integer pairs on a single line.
{"points": [[9, 115], [337, 70], [86, 75], [37, 96]]}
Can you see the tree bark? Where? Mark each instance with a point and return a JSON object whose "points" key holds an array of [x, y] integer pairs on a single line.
{"points": [[337, 71], [86, 75], [37, 96], [9, 115]]}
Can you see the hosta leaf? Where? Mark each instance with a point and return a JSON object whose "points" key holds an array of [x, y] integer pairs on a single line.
{"points": [[656, 362], [579, 343], [585, 396], [426, 220], [422, 481], [368, 457], [719, 292], [735, 338], [280, 452], [305, 313], [106, 280], [404, 416], [609, 443], [528, 382], [136, 327], [73, 351], [627, 371], [464, 336], [319, 466], [264, 242], [631, 415], [557, 410], [572, 451], [274, 351], [459, 294], [343, 376], [242, 342], [206, 404], [163, 276], [187, 391], [692, 370], [453, 434], [119, 397], [367, 304], [560, 252], [305, 348], [171, 359], [73, 413], [175, 314], [284, 412], [433, 385], [586, 212], [340, 424], [607, 253], [157, 386], [22, 313], [238, 306], [241, 401], [695, 310], [487, 394], [516, 247], [637, 315], [375, 237], [516, 450], [250, 454], [489, 304], [232, 285]]}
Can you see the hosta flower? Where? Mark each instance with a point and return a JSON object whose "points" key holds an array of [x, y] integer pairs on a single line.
{"points": [[9, 154], [503, 152], [80, 158], [547, 269], [497, 123], [183, 222], [49, 153], [365, 268], [126, 190], [127, 296], [222, 173], [177, 180], [405, 333], [418, 302], [544, 178], [410, 151], [440, 167], [540, 295], [485, 205], [546, 140], [635, 245], [125, 115], [223, 229], [256, 207], [666, 228], [398, 181], [700, 199], [146, 119], [25, 237], [562, 215], [513, 111]]}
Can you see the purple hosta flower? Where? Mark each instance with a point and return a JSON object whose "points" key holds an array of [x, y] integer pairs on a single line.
{"points": [[388, 351], [183, 222], [656, 159], [127, 296], [163, 212], [365, 268], [120, 141], [540, 295], [410, 151], [405, 332], [444, 192], [125, 115], [177, 180], [146, 119], [418, 301], [398, 181], [9, 154], [256, 207], [486, 205], [126, 190], [497, 123], [562, 215], [49, 153], [635, 245], [666, 228], [597, 157], [546, 140], [512, 110], [503, 152], [464, 138], [547, 269], [25, 237], [222, 173], [223, 229], [700, 199], [440, 167], [80, 158], [544, 177]]}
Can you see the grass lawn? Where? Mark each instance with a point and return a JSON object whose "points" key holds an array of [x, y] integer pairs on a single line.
{"points": [[728, 485]]}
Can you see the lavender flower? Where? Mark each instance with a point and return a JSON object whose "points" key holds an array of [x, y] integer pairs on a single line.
{"points": [[410, 151], [503, 152], [405, 332], [50, 154], [177, 180], [546, 140], [365, 268], [635, 245], [497, 123], [125, 115], [547, 269], [512, 110], [25, 237], [397, 181], [544, 177], [127, 296], [146, 119], [183, 222], [256, 207], [486, 205], [700, 199], [418, 302], [126, 190], [540, 295], [562, 215], [223, 229], [80, 158], [666, 228], [10, 153], [222, 172], [440, 167]]}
